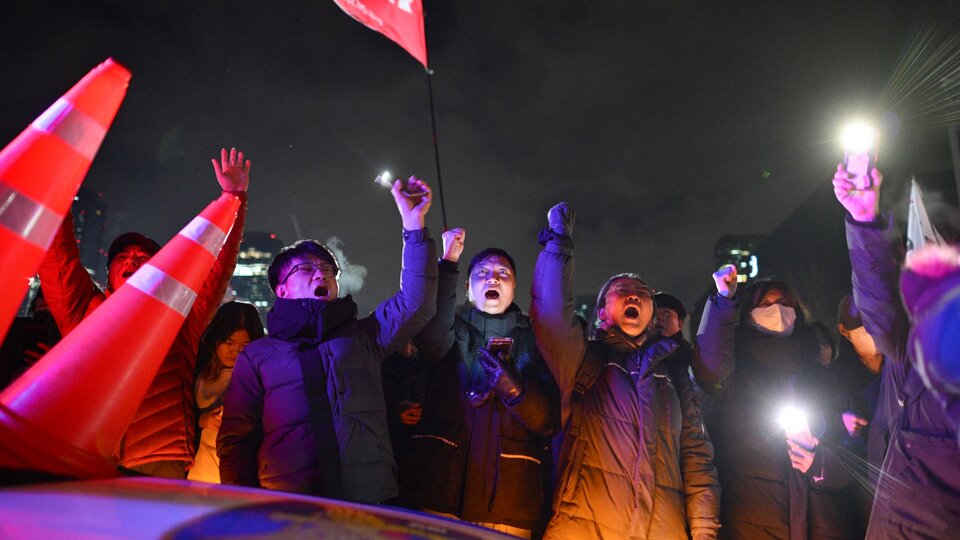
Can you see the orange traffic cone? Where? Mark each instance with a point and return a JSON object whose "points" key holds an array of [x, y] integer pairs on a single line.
{"points": [[41, 171], [67, 414]]}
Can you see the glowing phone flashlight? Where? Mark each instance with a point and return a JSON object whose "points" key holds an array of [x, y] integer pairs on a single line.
{"points": [[860, 152], [793, 420], [384, 179]]}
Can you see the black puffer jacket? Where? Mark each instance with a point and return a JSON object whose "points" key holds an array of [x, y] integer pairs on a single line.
{"points": [[486, 464], [305, 411], [748, 377]]}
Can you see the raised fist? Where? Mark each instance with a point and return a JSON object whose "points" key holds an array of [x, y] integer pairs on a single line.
{"points": [[726, 280], [453, 244], [561, 218]]}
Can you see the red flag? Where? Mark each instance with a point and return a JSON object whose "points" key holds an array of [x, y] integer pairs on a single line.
{"points": [[399, 20]]}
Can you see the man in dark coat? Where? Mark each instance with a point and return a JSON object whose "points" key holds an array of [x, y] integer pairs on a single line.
{"points": [[480, 452], [635, 462], [918, 495], [305, 411]]}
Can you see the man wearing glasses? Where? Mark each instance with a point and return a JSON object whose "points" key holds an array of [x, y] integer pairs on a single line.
{"points": [[305, 411]]}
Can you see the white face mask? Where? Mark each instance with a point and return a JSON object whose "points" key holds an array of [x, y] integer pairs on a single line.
{"points": [[774, 320]]}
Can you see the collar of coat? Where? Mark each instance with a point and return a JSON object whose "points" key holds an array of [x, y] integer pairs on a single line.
{"points": [[499, 325], [308, 319]]}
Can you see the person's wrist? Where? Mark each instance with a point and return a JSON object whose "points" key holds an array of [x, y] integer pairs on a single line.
{"points": [[413, 223], [864, 217]]}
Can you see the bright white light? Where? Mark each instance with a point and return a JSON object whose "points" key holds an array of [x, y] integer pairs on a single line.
{"points": [[754, 266], [792, 419], [384, 179], [858, 138]]}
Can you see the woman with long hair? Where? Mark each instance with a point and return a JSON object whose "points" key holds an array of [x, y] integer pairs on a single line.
{"points": [[234, 326], [756, 356]]}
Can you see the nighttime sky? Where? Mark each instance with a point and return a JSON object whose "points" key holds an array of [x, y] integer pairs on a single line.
{"points": [[655, 119]]}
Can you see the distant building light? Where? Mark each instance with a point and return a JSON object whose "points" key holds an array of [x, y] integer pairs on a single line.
{"points": [[734, 251], [754, 266]]}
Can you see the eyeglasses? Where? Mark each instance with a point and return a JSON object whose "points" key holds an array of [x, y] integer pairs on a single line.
{"points": [[308, 269], [630, 289]]}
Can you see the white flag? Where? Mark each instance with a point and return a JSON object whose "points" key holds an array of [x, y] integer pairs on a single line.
{"points": [[919, 230]]}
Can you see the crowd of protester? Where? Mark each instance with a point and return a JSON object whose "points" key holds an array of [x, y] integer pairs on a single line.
{"points": [[547, 424]]}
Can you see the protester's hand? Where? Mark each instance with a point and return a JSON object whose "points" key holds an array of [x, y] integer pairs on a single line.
{"points": [[726, 280], [212, 419], [32, 355], [413, 201], [410, 413], [800, 457], [863, 204], [232, 173], [854, 423], [561, 219], [453, 244], [502, 376]]}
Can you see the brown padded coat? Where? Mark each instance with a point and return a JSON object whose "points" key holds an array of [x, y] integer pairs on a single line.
{"points": [[163, 428], [642, 466]]}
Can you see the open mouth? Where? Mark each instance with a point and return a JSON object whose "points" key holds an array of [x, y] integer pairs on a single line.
{"points": [[320, 292], [128, 273], [631, 313], [492, 294]]}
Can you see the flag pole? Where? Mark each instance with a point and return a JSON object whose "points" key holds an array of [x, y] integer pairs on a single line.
{"points": [[436, 145]]}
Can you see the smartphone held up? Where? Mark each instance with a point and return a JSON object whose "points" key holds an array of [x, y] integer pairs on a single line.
{"points": [[860, 153], [386, 180]]}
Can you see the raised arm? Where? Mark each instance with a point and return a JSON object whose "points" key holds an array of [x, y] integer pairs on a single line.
{"points": [[713, 352], [875, 255], [67, 287], [436, 338], [560, 335], [403, 315], [233, 175], [241, 431]]}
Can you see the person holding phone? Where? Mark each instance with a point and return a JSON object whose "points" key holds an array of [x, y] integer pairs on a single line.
{"points": [[480, 450], [757, 357], [305, 412], [918, 492]]}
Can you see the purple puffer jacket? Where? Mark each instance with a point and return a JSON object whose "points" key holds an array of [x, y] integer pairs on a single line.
{"points": [[305, 411], [918, 495]]}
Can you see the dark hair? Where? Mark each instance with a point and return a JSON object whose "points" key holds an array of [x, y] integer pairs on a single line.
{"points": [[231, 317], [669, 301], [752, 294], [489, 252], [281, 261], [847, 313], [825, 336]]}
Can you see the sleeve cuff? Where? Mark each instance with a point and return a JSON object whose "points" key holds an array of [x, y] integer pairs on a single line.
{"points": [[448, 266], [416, 236]]}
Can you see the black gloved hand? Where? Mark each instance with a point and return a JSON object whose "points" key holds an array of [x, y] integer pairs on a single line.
{"points": [[502, 376]]}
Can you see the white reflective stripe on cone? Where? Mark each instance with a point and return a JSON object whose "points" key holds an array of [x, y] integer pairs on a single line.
{"points": [[163, 287], [202, 231], [27, 218], [72, 126]]}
